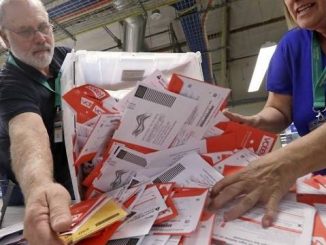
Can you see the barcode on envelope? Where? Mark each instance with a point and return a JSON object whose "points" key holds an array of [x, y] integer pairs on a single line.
{"points": [[126, 241], [207, 115], [132, 75], [132, 158], [170, 174], [107, 219], [155, 96], [163, 225]]}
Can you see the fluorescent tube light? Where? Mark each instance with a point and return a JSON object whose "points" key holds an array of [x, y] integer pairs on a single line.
{"points": [[264, 57]]}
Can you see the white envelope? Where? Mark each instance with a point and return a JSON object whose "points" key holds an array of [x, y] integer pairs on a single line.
{"points": [[100, 134], [189, 203], [242, 157], [156, 239], [143, 215], [190, 171], [160, 160], [153, 118], [210, 99], [156, 79], [203, 233], [293, 226], [174, 240], [319, 235], [121, 166]]}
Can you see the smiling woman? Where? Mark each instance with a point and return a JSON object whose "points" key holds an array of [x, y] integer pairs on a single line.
{"points": [[296, 88], [289, 19]]}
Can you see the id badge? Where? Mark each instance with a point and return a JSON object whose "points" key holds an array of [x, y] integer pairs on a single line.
{"points": [[316, 123], [58, 131]]}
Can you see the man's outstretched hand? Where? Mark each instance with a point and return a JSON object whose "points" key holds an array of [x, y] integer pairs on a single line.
{"points": [[47, 213]]}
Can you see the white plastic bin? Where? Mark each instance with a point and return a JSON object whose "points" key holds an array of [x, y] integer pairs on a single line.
{"points": [[119, 72]]}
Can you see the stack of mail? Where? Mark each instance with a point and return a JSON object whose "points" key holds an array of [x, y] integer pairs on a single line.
{"points": [[91, 216], [157, 152]]}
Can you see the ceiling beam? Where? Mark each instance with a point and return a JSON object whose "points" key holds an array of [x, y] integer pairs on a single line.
{"points": [[248, 27], [114, 37], [218, 34], [69, 34]]}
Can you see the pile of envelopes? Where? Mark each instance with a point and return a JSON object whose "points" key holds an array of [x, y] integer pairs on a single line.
{"points": [[154, 155]]}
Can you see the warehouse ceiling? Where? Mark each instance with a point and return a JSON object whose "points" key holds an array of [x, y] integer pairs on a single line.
{"points": [[228, 33]]}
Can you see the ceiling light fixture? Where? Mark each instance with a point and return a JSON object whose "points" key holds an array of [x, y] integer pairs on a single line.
{"points": [[265, 54], [156, 14]]}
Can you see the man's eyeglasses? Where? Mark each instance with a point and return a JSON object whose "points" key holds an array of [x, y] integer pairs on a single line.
{"points": [[30, 32]]}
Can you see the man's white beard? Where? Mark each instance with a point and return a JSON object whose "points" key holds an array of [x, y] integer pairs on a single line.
{"points": [[42, 62], [39, 62]]}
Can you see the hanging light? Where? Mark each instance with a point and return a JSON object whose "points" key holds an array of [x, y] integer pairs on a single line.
{"points": [[265, 54]]}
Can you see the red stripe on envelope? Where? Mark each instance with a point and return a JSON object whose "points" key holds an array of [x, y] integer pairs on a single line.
{"points": [[186, 192], [320, 179], [312, 183], [229, 169], [84, 158], [319, 227]]}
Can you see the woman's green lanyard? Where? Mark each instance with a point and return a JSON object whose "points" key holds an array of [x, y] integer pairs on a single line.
{"points": [[57, 89], [318, 84]]}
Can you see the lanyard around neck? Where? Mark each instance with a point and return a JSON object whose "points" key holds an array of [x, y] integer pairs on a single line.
{"points": [[318, 75], [57, 89]]}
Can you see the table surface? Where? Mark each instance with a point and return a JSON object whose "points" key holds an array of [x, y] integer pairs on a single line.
{"points": [[14, 215]]}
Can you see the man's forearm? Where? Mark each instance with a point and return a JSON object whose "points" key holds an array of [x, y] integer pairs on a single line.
{"points": [[30, 152]]}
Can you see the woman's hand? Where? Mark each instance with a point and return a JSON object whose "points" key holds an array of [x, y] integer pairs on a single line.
{"points": [[263, 181], [248, 120]]}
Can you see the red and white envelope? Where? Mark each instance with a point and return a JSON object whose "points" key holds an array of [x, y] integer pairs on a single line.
{"points": [[93, 216], [311, 189], [190, 204], [239, 136], [240, 158], [215, 157], [80, 210], [319, 233], [190, 171], [293, 225], [88, 101], [142, 216], [153, 118], [156, 80], [203, 233], [152, 239], [99, 136], [166, 190], [214, 130], [210, 99], [119, 168]]}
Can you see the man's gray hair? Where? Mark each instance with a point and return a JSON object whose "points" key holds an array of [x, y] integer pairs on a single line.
{"points": [[3, 3]]}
